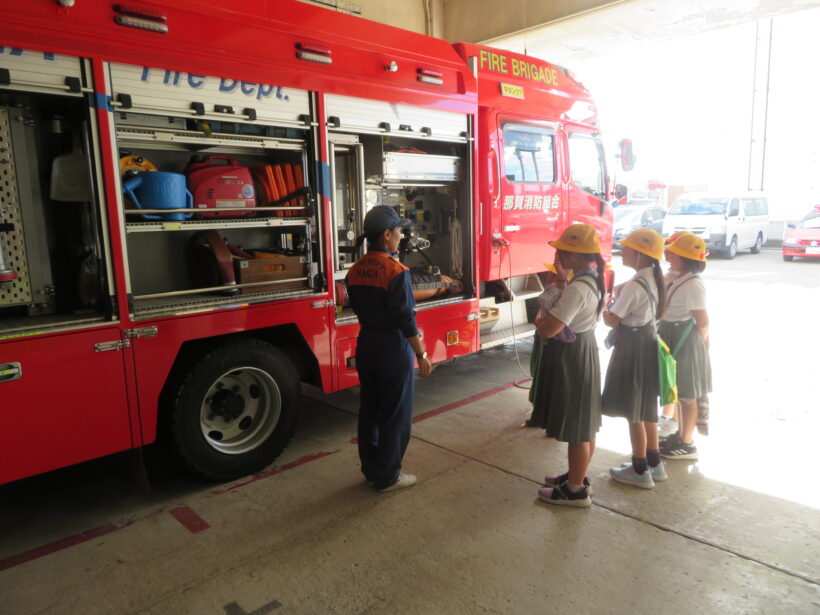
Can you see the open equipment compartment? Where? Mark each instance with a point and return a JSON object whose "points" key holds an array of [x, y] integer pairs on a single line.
{"points": [[209, 190], [52, 225], [421, 168]]}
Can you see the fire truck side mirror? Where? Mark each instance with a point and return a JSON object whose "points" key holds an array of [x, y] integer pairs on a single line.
{"points": [[626, 154], [621, 191]]}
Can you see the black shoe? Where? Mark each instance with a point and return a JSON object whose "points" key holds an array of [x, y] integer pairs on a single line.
{"points": [[680, 451], [554, 481], [671, 441], [562, 496]]}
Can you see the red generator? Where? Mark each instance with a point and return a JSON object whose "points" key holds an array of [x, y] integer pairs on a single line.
{"points": [[220, 182]]}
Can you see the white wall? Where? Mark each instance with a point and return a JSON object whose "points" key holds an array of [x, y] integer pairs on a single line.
{"points": [[407, 14]]}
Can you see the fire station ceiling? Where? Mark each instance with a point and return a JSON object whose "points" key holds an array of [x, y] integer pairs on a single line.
{"points": [[577, 30]]}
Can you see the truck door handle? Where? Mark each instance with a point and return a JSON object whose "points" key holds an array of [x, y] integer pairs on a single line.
{"points": [[10, 372]]}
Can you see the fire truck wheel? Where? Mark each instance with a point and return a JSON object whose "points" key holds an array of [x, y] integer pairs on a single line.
{"points": [[235, 409]]}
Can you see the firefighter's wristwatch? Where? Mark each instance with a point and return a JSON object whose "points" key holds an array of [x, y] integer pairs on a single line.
{"points": [[421, 356]]}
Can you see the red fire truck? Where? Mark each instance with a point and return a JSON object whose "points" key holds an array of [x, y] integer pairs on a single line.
{"points": [[181, 186]]}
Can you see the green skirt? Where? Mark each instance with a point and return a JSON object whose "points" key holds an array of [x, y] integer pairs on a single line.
{"points": [[694, 370], [567, 398], [632, 384]]}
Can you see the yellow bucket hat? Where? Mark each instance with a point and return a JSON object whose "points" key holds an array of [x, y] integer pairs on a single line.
{"points": [[674, 236], [646, 241], [580, 238], [689, 246]]}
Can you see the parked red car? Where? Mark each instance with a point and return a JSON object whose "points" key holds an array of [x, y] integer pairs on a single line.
{"points": [[804, 237]]}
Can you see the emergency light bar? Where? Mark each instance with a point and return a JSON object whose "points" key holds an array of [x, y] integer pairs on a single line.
{"points": [[432, 77], [313, 53]]}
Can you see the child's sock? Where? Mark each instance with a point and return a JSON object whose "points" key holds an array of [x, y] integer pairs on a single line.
{"points": [[653, 457], [574, 488], [639, 464]]}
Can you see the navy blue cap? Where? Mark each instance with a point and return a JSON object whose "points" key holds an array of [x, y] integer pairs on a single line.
{"points": [[382, 218]]}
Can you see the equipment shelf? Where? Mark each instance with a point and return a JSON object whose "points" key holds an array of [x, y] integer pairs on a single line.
{"points": [[152, 307], [159, 138], [195, 225]]}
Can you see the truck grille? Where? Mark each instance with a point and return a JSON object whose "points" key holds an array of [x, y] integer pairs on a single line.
{"points": [[697, 230]]}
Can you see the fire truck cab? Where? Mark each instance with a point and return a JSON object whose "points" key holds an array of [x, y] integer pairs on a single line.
{"points": [[541, 167], [177, 218]]}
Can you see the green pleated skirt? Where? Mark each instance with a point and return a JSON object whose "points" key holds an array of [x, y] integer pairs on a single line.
{"points": [[567, 389], [694, 369], [632, 383]]}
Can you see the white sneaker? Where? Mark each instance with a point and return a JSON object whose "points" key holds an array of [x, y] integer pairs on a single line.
{"points": [[404, 480], [666, 426], [628, 476], [658, 472]]}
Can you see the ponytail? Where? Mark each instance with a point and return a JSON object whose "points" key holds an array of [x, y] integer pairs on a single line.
{"points": [[601, 266], [658, 275], [372, 240]]}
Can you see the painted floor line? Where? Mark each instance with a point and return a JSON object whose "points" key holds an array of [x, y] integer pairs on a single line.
{"points": [[276, 470], [193, 522], [467, 400], [189, 519], [186, 517], [63, 543]]}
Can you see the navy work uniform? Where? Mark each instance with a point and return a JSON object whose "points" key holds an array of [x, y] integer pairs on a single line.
{"points": [[382, 297]]}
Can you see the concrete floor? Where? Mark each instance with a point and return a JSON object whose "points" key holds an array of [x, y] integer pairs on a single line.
{"points": [[308, 536]]}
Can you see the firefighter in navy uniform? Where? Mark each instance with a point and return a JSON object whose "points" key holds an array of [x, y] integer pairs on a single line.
{"points": [[382, 297]]}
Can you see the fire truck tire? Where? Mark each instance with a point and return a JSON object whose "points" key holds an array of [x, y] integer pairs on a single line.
{"points": [[235, 409]]}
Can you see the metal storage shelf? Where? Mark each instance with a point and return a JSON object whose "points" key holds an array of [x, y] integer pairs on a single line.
{"points": [[206, 301], [346, 316], [195, 225], [164, 138]]}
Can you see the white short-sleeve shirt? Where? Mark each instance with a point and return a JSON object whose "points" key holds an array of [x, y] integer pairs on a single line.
{"points": [[578, 306], [686, 293], [548, 298], [633, 306]]}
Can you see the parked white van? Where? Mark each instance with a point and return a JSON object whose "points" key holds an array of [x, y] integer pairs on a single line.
{"points": [[726, 222]]}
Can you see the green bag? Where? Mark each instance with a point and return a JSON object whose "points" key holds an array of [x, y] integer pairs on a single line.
{"points": [[667, 363], [667, 368]]}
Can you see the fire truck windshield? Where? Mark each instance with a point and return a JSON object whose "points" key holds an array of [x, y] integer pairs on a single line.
{"points": [[528, 154]]}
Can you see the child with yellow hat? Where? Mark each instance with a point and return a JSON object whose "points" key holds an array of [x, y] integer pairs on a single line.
{"points": [[556, 280], [668, 419], [685, 329], [632, 383], [567, 388]]}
